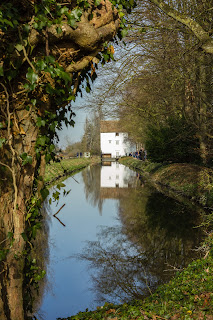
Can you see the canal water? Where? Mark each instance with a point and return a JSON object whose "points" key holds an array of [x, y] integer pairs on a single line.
{"points": [[114, 239]]}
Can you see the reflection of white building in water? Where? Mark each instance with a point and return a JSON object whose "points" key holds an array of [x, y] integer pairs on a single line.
{"points": [[115, 179], [114, 142]]}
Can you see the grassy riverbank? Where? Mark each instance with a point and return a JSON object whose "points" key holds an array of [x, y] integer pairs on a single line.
{"points": [[192, 181], [189, 295], [56, 170]]}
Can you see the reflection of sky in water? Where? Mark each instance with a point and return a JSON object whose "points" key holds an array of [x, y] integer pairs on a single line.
{"points": [[68, 278]]}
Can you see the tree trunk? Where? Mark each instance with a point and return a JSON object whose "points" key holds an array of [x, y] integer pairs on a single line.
{"points": [[13, 201]]}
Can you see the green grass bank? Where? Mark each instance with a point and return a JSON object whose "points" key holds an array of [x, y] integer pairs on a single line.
{"points": [[56, 170], [191, 181], [189, 295]]}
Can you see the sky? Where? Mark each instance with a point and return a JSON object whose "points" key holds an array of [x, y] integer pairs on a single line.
{"points": [[69, 135]]}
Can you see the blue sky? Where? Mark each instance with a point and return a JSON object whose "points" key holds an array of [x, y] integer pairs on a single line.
{"points": [[73, 134]]}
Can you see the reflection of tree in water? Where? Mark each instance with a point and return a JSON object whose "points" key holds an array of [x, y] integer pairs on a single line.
{"points": [[120, 269], [92, 180], [163, 227], [156, 233], [39, 252]]}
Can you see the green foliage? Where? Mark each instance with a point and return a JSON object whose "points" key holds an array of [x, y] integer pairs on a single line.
{"points": [[3, 254], [2, 141], [173, 141], [4, 250], [27, 159]]}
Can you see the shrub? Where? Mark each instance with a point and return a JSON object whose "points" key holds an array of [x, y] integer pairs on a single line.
{"points": [[173, 141]]}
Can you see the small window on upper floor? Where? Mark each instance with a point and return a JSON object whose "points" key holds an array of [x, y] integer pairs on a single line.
{"points": [[117, 141], [117, 134], [110, 141]]}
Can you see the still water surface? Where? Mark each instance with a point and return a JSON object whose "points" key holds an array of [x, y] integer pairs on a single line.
{"points": [[117, 239]]}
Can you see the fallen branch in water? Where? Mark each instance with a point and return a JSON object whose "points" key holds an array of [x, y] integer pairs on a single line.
{"points": [[57, 217], [74, 179], [59, 221], [59, 210]]}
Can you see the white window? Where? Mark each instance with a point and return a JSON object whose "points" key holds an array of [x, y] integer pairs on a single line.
{"points": [[117, 177], [110, 141], [117, 141]]}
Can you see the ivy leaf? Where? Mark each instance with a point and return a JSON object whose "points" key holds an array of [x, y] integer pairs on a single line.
{"points": [[56, 195], [71, 98], [124, 32], [26, 28], [2, 141], [26, 159], [60, 185], [77, 13], [1, 71], [19, 47], [41, 141], [65, 76], [97, 2], [31, 76], [44, 193], [10, 235], [50, 59], [40, 122], [51, 147], [33, 101], [28, 216], [48, 157], [72, 22], [59, 30], [24, 236], [9, 23], [41, 65]]}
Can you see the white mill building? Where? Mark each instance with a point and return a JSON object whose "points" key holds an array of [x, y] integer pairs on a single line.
{"points": [[114, 142]]}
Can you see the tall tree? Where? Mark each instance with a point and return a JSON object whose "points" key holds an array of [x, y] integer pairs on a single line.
{"points": [[177, 75], [91, 139], [202, 30]]}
